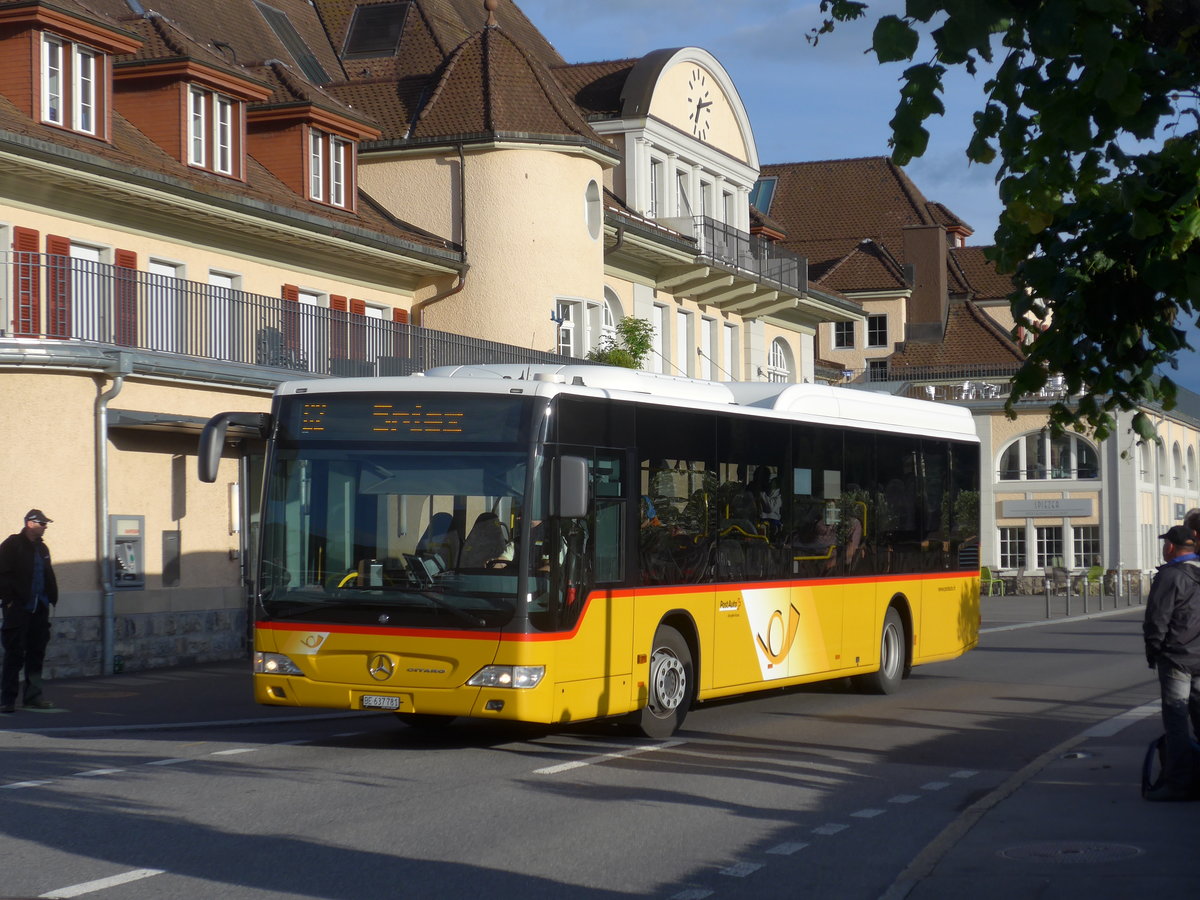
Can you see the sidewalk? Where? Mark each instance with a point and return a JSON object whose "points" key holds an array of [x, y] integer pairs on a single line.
{"points": [[1070, 825]]}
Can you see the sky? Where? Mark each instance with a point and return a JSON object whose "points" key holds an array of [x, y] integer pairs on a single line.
{"points": [[806, 103]]}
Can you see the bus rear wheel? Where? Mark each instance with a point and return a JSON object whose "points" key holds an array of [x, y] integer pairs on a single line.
{"points": [[893, 658], [671, 685]]}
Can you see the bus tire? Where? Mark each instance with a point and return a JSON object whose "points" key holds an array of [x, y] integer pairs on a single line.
{"points": [[893, 658], [671, 687], [424, 721]]}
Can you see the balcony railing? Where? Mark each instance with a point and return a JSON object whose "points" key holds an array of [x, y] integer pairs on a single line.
{"points": [[955, 384], [53, 297], [726, 246]]}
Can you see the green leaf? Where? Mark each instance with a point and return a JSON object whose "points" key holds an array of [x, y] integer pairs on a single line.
{"points": [[894, 40]]}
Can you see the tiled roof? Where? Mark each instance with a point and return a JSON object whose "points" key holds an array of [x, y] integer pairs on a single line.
{"points": [[980, 274], [596, 87], [972, 338], [867, 267], [491, 86]]}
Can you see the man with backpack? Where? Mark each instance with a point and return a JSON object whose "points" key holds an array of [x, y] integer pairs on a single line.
{"points": [[1172, 632]]}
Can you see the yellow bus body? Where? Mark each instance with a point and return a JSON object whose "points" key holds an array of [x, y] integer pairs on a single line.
{"points": [[743, 638]]}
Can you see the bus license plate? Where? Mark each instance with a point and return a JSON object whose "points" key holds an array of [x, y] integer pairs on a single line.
{"points": [[371, 701]]}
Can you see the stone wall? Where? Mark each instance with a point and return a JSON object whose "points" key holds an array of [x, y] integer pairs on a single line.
{"points": [[146, 641]]}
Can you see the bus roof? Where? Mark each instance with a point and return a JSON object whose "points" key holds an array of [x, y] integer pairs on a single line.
{"points": [[804, 402]]}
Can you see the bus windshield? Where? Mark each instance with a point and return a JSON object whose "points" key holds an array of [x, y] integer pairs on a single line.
{"points": [[394, 531]]}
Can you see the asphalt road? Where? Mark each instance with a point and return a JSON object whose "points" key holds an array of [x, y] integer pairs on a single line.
{"points": [[818, 792]]}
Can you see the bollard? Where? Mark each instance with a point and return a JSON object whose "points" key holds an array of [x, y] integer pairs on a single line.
{"points": [[1047, 587]]}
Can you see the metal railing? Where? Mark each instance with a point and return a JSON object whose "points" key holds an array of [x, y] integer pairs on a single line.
{"points": [[764, 260], [54, 297]]}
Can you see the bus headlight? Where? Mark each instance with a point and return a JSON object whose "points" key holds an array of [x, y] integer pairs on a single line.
{"points": [[274, 664], [508, 676]]}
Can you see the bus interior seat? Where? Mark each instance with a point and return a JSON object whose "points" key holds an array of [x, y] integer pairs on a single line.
{"points": [[488, 540], [441, 538]]}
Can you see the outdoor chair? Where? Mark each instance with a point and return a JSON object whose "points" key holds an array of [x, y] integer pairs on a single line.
{"points": [[989, 582]]}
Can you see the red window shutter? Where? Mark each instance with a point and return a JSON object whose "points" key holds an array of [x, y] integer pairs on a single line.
{"points": [[401, 333], [291, 316], [125, 298], [58, 286], [358, 329], [27, 282], [338, 312]]}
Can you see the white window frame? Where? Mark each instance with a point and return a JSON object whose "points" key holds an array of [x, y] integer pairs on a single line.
{"points": [[197, 127], [225, 120], [53, 81], [780, 362], [338, 151], [684, 325], [316, 164], [706, 343], [658, 354], [730, 358], [164, 304], [84, 76]]}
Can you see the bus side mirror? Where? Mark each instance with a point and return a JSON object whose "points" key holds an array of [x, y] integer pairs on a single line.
{"points": [[212, 439], [572, 494]]}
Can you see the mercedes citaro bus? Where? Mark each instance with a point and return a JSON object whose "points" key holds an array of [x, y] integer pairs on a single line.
{"points": [[553, 544]]}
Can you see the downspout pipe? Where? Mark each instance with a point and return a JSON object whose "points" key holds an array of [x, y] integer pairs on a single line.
{"points": [[418, 309], [122, 367]]}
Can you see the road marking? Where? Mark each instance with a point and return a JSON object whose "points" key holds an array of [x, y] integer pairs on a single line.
{"points": [[788, 848], [169, 762], [830, 828], [964, 773], [1121, 721], [592, 760], [234, 752], [935, 786], [867, 813], [24, 784], [95, 772], [904, 798], [78, 890], [741, 870]]}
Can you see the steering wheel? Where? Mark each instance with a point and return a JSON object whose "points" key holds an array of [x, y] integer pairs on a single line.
{"points": [[498, 563]]}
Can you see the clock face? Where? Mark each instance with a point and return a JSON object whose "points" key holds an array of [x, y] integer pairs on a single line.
{"points": [[700, 101]]}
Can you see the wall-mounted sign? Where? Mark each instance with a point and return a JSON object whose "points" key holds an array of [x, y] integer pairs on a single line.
{"points": [[1062, 506]]}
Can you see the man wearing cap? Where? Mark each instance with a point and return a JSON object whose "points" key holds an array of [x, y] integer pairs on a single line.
{"points": [[1172, 632], [27, 591]]}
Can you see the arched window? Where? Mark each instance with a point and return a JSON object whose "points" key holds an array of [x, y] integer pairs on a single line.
{"points": [[1041, 455], [1161, 456], [1191, 468], [593, 212], [1176, 465], [780, 364]]}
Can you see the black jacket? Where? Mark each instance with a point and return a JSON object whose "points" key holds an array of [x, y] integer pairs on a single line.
{"points": [[1172, 624], [16, 571]]}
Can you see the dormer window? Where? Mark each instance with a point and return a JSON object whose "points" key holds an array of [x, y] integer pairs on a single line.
{"points": [[330, 168], [71, 74], [214, 131]]}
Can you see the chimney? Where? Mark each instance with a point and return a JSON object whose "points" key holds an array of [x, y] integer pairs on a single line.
{"points": [[928, 306]]}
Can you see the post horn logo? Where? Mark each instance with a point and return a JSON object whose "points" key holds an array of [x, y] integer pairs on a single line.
{"points": [[778, 642], [381, 667]]}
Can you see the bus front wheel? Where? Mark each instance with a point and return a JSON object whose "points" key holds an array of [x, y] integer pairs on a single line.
{"points": [[893, 658], [671, 684]]}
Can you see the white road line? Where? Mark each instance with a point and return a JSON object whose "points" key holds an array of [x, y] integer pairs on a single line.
{"points": [[592, 760], [96, 772], [787, 848], [234, 752], [23, 784], [741, 870], [964, 773], [867, 813], [904, 798], [1121, 721], [830, 828], [935, 786], [78, 890], [169, 762]]}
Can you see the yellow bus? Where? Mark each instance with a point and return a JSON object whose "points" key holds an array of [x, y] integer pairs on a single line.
{"points": [[555, 544]]}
